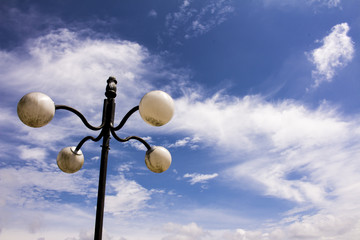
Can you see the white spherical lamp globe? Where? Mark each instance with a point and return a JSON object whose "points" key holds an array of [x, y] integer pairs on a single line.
{"points": [[158, 159], [156, 108], [36, 109], [69, 161]]}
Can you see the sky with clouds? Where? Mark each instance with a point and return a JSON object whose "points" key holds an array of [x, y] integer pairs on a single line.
{"points": [[265, 140]]}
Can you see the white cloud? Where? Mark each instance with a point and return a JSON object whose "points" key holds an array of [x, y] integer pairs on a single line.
{"points": [[187, 141], [245, 124], [241, 234], [72, 69], [129, 197], [183, 232], [335, 53], [200, 178], [36, 154], [180, 143]]}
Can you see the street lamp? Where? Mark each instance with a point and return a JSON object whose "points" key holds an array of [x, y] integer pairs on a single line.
{"points": [[156, 108]]}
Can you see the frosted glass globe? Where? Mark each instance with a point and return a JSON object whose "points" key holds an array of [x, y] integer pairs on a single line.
{"points": [[69, 161], [36, 109], [156, 108], [158, 159]]}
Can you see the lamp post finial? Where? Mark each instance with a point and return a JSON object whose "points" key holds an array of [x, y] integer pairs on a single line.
{"points": [[111, 88]]}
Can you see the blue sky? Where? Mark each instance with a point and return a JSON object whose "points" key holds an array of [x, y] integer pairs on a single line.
{"points": [[265, 140]]}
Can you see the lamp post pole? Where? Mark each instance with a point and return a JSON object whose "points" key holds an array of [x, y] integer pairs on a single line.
{"points": [[156, 108], [108, 120]]}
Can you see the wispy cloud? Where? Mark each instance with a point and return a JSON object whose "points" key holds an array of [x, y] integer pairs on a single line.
{"points": [[200, 178], [335, 53], [138, 145], [328, 3], [190, 21], [191, 142], [152, 13], [32, 188]]}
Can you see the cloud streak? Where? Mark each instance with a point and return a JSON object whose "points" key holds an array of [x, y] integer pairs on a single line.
{"points": [[200, 178], [191, 21], [186, 142], [300, 3]]}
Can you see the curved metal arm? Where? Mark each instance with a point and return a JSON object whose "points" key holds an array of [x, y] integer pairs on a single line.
{"points": [[126, 117], [148, 147], [83, 119], [86, 139]]}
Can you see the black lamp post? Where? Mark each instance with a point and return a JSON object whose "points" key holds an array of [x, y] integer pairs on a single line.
{"points": [[156, 108]]}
